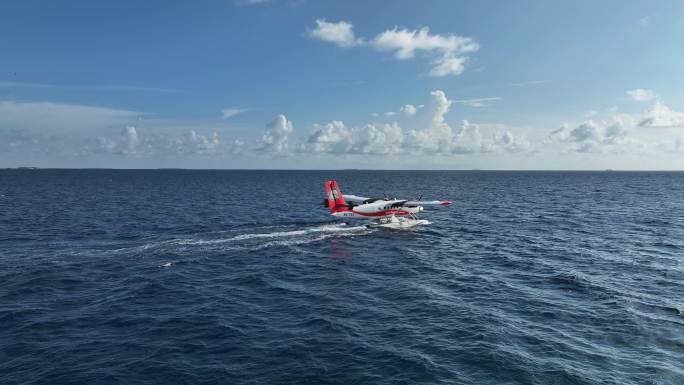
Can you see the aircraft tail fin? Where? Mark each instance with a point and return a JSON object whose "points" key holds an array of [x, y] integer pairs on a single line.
{"points": [[336, 202]]}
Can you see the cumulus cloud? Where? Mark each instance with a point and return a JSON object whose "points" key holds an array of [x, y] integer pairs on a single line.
{"points": [[441, 105], [339, 33], [642, 95], [131, 135], [229, 112], [47, 129], [372, 139], [596, 136], [448, 52], [195, 143], [274, 139], [593, 136], [132, 143], [622, 132], [126, 143], [332, 137], [203, 144], [660, 115], [436, 137], [409, 109], [405, 110]]}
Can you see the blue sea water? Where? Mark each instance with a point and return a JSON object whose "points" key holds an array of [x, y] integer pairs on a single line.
{"points": [[240, 277]]}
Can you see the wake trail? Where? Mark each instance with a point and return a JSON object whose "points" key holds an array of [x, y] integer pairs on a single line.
{"points": [[331, 228], [252, 240]]}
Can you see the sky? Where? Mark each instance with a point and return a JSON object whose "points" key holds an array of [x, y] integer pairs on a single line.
{"points": [[304, 84]]}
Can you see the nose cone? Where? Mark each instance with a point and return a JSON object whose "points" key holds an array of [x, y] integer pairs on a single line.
{"points": [[420, 208]]}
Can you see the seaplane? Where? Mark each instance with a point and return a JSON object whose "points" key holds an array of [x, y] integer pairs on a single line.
{"points": [[383, 212]]}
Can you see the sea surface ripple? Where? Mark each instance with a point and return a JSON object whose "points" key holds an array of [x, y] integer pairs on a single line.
{"points": [[240, 277]]}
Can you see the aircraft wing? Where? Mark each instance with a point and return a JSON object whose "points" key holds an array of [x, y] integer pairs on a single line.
{"points": [[354, 198], [428, 203]]}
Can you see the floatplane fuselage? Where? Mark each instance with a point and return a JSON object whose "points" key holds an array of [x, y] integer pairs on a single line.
{"points": [[382, 212]]}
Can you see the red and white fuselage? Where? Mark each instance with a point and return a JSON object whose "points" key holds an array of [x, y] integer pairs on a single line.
{"points": [[367, 208], [377, 209]]}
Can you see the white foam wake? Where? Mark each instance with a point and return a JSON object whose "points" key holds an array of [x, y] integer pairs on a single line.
{"points": [[333, 228], [268, 239]]}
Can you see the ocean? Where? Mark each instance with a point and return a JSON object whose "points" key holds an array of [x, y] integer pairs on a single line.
{"points": [[241, 277]]}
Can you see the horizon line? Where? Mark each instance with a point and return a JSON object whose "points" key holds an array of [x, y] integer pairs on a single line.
{"points": [[332, 169]]}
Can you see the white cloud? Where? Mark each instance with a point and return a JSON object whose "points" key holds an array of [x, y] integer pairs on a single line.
{"points": [[448, 52], [340, 33], [406, 110], [596, 136], [332, 137], [592, 136], [237, 147], [623, 132], [251, 2], [660, 115], [446, 65], [477, 103], [52, 129], [132, 140], [231, 111], [644, 21], [274, 140], [441, 106], [382, 139], [202, 144], [106, 144], [60, 117], [192, 143], [126, 143], [406, 42], [409, 109], [65, 130], [435, 138], [587, 131], [642, 95]]}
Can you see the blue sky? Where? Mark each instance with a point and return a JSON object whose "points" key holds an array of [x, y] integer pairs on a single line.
{"points": [[323, 84]]}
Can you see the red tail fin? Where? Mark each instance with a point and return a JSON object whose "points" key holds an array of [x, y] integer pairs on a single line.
{"points": [[335, 198]]}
